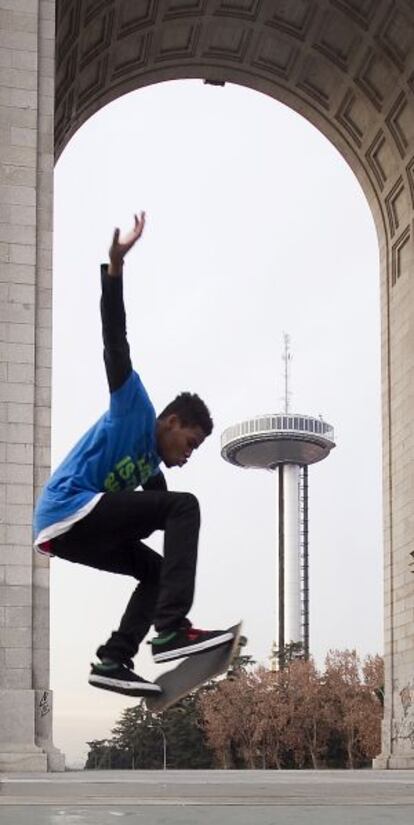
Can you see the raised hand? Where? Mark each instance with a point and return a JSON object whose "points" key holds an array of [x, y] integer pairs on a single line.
{"points": [[121, 246]]}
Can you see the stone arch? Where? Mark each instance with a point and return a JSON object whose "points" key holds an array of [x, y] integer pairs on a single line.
{"points": [[348, 67]]}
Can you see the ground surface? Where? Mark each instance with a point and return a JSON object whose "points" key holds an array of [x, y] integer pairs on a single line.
{"points": [[209, 797]]}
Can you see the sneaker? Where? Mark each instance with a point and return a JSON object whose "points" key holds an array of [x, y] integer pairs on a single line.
{"points": [[173, 644], [110, 675]]}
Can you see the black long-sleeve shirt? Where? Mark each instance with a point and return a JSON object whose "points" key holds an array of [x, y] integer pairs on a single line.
{"points": [[116, 348]]}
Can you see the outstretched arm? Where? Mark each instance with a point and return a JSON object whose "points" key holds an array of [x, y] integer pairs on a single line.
{"points": [[121, 246], [116, 349]]}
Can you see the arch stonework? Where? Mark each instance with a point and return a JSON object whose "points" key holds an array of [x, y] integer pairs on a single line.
{"points": [[345, 65]]}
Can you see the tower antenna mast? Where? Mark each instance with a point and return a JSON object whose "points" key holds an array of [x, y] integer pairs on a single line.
{"points": [[286, 358]]}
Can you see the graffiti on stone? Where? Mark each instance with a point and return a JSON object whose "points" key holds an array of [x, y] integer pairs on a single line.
{"points": [[403, 727], [44, 703]]}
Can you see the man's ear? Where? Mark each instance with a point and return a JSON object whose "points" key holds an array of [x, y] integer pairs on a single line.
{"points": [[172, 421]]}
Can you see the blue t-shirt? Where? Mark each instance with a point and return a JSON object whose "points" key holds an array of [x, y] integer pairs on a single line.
{"points": [[117, 453]]}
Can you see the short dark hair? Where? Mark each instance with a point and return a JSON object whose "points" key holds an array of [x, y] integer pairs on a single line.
{"points": [[191, 411]]}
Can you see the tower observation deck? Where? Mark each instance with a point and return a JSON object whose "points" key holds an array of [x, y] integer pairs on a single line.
{"points": [[267, 441], [286, 443]]}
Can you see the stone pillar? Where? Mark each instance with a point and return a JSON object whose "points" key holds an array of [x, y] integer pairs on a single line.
{"points": [[26, 193], [398, 448]]}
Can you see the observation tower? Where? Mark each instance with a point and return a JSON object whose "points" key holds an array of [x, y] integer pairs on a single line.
{"points": [[287, 443]]}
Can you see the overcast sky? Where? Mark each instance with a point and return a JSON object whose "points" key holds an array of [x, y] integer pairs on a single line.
{"points": [[255, 227]]}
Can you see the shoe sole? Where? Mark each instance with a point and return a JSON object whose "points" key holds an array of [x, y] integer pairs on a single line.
{"points": [[208, 644], [127, 688]]}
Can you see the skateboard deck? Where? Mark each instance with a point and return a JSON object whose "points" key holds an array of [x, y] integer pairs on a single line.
{"points": [[193, 672]]}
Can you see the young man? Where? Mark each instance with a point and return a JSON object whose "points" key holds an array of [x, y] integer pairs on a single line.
{"points": [[90, 511]]}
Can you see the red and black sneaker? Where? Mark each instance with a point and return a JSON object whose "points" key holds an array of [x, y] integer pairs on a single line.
{"points": [[185, 640]]}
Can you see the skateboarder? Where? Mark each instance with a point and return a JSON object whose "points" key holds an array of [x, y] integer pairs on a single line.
{"points": [[91, 512]]}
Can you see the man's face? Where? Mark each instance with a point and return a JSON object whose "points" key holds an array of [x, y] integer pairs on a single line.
{"points": [[176, 442]]}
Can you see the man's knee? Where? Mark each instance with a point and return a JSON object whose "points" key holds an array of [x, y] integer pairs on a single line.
{"points": [[187, 503]]}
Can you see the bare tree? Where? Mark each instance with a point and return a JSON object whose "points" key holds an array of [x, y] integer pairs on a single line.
{"points": [[313, 713], [228, 717], [296, 716], [273, 713]]}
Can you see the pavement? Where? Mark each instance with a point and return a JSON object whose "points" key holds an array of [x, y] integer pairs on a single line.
{"points": [[208, 798]]}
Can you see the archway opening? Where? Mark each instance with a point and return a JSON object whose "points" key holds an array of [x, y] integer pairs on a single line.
{"points": [[256, 226]]}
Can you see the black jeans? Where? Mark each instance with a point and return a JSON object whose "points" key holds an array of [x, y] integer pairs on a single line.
{"points": [[109, 538]]}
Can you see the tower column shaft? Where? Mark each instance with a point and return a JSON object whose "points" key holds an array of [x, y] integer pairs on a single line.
{"points": [[293, 625], [281, 571], [305, 561]]}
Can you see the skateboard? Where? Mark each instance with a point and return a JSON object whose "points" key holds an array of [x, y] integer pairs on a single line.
{"points": [[194, 671]]}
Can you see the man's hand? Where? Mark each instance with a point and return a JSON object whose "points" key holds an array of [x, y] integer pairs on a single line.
{"points": [[120, 246]]}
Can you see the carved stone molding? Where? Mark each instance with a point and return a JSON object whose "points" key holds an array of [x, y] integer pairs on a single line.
{"points": [[345, 63]]}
